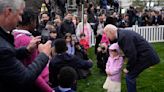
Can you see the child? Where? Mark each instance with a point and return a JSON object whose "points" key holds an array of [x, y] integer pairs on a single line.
{"points": [[61, 59], [80, 51], [74, 39], [113, 69], [102, 56], [70, 45], [67, 77], [84, 42], [53, 33]]}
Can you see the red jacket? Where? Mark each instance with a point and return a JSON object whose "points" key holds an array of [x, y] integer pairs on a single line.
{"points": [[84, 43]]}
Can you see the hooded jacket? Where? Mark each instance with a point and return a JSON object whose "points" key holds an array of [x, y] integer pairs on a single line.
{"points": [[114, 64]]}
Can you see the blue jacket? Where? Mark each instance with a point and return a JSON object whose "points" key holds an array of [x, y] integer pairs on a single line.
{"points": [[65, 59], [14, 76], [139, 52]]}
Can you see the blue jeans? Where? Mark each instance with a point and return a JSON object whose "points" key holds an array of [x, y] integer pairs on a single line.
{"points": [[131, 83]]}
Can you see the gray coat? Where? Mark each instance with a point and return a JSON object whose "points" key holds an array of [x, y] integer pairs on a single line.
{"points": [[14, 76], [139, 52]]}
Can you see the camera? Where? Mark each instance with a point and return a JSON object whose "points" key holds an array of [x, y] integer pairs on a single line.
{"points": [[45, 36], [103, 48]]}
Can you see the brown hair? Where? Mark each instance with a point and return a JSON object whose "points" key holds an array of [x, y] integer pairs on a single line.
{"points": [[68, 35]]}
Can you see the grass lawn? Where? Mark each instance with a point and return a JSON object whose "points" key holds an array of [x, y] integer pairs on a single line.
{"points": [[151, 80]]}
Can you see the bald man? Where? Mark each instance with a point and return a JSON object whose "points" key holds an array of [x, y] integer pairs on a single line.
{"points": [[139, 52]]}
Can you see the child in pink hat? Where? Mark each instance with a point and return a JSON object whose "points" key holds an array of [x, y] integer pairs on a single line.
{"points": [[113, 69]]}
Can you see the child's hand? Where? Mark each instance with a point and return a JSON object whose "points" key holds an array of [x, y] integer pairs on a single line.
{"points": [[125, 70], [108, 73]]}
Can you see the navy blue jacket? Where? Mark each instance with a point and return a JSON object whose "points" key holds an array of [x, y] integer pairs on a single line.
{"points": [[139, 52], [14, 76], [61, 60]]}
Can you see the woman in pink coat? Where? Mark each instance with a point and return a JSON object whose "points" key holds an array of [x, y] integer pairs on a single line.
{"points": [[88, 31]]}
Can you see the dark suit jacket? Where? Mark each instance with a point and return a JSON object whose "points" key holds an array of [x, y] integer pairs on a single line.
{"points": [[96, 27], [14, 76], [156, 20], [67, 27], [139, 52]]}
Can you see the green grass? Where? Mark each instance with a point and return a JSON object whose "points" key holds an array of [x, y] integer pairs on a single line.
{"points": [[151, 80]]}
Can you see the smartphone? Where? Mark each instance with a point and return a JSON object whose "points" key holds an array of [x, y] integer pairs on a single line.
{"points": [[45, 36]]}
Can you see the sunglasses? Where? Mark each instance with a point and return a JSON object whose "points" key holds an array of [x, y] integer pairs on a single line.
{"points": [[113, 50], [52, 32]]}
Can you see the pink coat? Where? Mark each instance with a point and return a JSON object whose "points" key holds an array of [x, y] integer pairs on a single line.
{"points": [[22, 38], [87, 31], [114, 64], [104, 39]]}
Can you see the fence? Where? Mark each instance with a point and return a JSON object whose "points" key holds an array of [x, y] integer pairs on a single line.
{"points": [[150, 33]]}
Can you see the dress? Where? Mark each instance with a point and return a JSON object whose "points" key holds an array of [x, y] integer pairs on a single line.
{"points": [[112, 86]]}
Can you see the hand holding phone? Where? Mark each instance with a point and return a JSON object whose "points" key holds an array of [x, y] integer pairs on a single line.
{"points": [[45, 36]]}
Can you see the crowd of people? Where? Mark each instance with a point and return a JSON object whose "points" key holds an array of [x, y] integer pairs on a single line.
{"points": [[113, 14], [50, 54], [33, 60], [132, 16]]}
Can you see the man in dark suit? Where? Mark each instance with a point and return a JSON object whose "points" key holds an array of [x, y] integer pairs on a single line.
{"points": [[14, 76], [67, 26], [139, 52], [156, 19], [98, 31]]}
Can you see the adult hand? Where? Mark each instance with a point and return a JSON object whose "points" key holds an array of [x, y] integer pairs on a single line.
{"points": [[125, 70], [99, 49], [33, 43], [45, 48]]}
